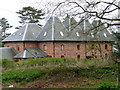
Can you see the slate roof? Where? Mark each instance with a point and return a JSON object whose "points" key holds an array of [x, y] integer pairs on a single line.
{"points": [[28, 32], [54, 30], [31, 53], [69, 30], [69, 23], [7, 53]]}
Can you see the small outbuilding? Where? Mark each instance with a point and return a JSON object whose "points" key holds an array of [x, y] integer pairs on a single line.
{"points": [[31, 52], [7, 53]]}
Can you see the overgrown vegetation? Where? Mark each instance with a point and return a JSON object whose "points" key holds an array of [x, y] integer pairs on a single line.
{"points": [[59, 70]]}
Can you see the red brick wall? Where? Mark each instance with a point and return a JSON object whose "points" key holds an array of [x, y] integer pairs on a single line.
{"points": [[99, 49], [15, 45], [20, 46], [70, 48], [49, 49], [71, 51]]}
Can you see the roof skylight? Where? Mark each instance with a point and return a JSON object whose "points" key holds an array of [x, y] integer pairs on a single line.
{"points": [[20, 34], [105, 35], [61, 33], [92, 34], [77, 34], [45, 34], [33, 33], [13, 34]]}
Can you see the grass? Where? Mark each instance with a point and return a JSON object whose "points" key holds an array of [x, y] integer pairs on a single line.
{"points": [[55, 62], [59, 70]]}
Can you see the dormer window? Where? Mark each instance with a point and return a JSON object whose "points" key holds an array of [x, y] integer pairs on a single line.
{"points": [[77, 34], [61, 33]]}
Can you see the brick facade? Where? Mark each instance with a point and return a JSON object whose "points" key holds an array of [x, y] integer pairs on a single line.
{"points": [[20, 46], [78, 50]]}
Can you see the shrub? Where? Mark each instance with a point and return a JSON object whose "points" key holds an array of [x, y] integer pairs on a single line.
{"points": [[107, 86], [23, 75], [7, 64]]}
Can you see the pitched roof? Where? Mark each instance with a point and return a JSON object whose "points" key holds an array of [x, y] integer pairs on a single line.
{"points": [[28, 32], [69, 30], [7, 53], [53, 30], [69, 23], [31, 53], [101, 33]]}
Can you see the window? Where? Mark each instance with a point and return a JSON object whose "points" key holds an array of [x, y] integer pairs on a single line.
{"points": [[62, 47], [62, 56], [88, 57], [78, 56], [92, 46], [44, 47], [18, 48], [106, 46], [7, 46], [106, 56], [78, 47], [50, 56]]}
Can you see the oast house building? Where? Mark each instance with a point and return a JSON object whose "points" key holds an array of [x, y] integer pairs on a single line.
{"points": [[66, 39]]}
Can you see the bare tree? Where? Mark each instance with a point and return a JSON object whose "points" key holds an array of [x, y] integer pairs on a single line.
{"points": [[106, 11]]}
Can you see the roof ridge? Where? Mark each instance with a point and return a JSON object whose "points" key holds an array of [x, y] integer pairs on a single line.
{"points": [[31, 53], [53, 22], [26, 28]]}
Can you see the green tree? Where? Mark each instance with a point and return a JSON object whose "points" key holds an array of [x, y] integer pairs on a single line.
{"points": [[30, 15], [4, 26]]}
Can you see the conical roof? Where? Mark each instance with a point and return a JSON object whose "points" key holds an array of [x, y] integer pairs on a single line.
{"points": [[101, 33], [70, 23], [85, 25], [31, 53], [53, 30], [28, 32]]}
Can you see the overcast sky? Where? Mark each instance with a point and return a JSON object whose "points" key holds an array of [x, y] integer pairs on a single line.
{"points": [[8, 9]]}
